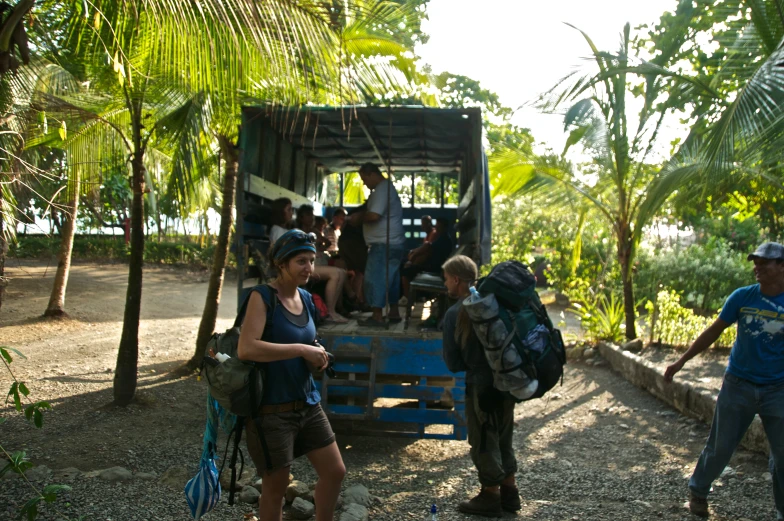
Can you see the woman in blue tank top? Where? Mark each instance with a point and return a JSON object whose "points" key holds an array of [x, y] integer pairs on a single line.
{"points": [[292, 421]]}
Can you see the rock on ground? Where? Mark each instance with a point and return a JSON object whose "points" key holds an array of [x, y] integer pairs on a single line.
{"points": [[354, 512], [249, 495], [39, 473], [357, 494], [296, 489], [302, 509], [115, 474]]}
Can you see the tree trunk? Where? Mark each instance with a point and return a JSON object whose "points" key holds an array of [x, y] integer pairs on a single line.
{"points": [[56, 307], [3, 250], [210, 313], [625, 258], [125, 374]]}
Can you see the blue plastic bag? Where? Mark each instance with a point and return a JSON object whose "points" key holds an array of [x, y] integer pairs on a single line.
{"points": [[203, 491]]}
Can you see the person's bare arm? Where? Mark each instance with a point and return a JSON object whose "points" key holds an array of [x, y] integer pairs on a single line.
{"points": [[250, 348], [703, 342]]}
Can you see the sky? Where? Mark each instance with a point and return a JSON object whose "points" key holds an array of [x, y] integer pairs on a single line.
{"points": [[520, 48]]}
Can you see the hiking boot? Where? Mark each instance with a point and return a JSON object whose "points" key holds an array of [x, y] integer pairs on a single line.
{"points": [[698, 505], [510, 498], [484, 504]]}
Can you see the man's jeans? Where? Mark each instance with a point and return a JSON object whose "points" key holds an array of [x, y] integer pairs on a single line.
{"points": [[375, 271], [739, 401]]}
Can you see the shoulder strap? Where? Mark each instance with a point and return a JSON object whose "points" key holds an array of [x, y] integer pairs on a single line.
{"points": [[270, 298], [243, 309]]}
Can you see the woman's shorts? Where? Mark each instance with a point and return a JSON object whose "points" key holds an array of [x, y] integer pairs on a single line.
{"points": [[289, 435]]}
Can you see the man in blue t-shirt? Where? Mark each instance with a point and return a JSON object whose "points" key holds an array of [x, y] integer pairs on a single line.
{"points": [[754, 381]]}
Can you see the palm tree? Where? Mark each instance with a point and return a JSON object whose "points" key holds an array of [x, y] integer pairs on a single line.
{"points": [[159, 53], [738, 132], [620, 182]]}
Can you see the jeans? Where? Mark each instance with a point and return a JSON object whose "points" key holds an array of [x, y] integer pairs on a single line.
{"points": [[739, 401], [375, 289]]}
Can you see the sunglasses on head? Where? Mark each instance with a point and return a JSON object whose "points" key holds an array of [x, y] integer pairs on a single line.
{"points": [[305, 237]]}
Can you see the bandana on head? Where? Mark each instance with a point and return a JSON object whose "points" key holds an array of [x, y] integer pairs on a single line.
{"points": [[293, 241]]}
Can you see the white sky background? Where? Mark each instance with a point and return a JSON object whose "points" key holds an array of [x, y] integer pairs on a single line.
{"points": [[520, 49]]}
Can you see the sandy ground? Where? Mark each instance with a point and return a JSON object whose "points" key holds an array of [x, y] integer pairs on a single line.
{"points": [[597, 448]]}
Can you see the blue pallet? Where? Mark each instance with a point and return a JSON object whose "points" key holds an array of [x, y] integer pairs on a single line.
{"points": [[407, 359]]}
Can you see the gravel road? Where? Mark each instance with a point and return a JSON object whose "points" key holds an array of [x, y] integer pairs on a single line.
{"points": [[597, 449]]}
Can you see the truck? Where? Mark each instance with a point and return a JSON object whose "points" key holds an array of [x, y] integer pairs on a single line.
{"points": [[388, 382]]}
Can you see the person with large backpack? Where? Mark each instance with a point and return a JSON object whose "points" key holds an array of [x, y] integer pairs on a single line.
{"points": [[291, 419], [489, 412]]}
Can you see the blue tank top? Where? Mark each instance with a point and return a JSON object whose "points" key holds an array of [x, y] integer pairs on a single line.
{"points": [[288, 380]]}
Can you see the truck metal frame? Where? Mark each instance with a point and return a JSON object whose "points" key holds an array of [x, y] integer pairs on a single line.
{"points": [[391, 381]]}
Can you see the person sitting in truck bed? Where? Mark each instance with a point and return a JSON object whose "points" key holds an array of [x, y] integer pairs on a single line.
{"points": [[334, 277], [430, 256], [281, 218], [332, 231], [428, 228]]}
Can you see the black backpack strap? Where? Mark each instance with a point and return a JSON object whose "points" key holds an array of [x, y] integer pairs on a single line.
{"points": [[237, 432], [254, 416], [233, 464]]}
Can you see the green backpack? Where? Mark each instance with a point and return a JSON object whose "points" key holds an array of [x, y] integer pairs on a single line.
{"points": [[237, 385]]}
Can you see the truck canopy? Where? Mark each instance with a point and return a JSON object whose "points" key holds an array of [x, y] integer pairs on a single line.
{"points": [[289, 151]]}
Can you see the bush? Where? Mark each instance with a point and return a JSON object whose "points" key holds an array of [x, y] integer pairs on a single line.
{"points": [[601, 317], [703, 275], [108, 247], [675, 325], [529, 230]]}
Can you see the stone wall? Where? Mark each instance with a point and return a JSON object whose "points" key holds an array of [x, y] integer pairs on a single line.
{"points": [[681, 395]]}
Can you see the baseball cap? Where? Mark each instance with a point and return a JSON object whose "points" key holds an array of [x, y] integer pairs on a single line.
{"points": [[768, 250]]}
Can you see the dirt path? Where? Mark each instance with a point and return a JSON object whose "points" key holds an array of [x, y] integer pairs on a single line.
{"points": [[598, 449]]}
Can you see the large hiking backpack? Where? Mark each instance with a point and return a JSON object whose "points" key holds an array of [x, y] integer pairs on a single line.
{"points": [[532, 348]]}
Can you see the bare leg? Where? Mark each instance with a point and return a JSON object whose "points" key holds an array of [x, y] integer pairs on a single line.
{"points": [[329, 466], [335, 278], [273, 488]]}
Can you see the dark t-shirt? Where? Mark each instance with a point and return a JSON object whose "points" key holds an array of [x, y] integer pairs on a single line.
{"points": [[470, 358], [440, 250]]}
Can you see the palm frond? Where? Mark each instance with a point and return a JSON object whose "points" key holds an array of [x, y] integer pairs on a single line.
{"points": [[751, 120]]}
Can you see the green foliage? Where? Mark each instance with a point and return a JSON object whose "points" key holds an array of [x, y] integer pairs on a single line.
{"points": [[113, 248], [17, 461], [745, 217], [601, 316], [674, 325], [178, 253], [703, 275], [531, 230], [48, 494]]}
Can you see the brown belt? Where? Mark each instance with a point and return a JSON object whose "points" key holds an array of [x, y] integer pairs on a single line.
{"points": [[283, 407]]}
